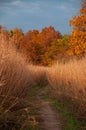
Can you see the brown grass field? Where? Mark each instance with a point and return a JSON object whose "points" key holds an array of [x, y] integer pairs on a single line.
{"points": [[67, 81], [15, 82]]}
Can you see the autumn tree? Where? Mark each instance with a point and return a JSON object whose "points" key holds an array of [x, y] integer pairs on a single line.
{"points": [[35, 44], [1, 29], [48, 35], [78, 36], [16, 35], [4, 33], [30, 46], [58, 50]]}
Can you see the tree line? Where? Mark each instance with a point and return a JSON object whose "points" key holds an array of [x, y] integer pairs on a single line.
{"points": [[49, 45]]}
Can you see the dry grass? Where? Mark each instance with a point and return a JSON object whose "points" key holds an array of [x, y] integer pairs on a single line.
{"points": [[39, 74], [15, 82], [15, 77], [69, 80]]}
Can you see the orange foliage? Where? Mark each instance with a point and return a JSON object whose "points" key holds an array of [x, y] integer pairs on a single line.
{"points": [[28, 45], [78, 36], [35, 43]]}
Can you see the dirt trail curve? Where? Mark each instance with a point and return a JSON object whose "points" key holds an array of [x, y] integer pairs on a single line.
{"points": [[50, 118]]}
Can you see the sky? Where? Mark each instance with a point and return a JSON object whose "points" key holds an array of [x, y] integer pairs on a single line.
{"points": [[37, 14]]}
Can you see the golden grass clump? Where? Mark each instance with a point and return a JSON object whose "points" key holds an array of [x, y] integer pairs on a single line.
{"points": [[69, 80], [15, 77], [15, 82]]}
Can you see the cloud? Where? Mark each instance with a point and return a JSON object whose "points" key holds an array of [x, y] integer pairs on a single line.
{"points": [[37, 13], [66, 7], [25, 6], [15, 3], [61, 7], [11, 3]]}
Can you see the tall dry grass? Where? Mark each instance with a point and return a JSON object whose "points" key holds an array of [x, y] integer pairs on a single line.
{"points": [[39, 74], [15, 78], [69, 80], [15, 82]]}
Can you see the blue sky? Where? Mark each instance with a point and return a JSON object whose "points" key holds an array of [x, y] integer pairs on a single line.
{"points": [[37, 14]]}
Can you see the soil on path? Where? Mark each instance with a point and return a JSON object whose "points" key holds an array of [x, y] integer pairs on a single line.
{"points": [[51, 119]]}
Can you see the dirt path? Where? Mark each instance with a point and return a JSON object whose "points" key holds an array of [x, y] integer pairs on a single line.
{"points": [[51, 120], [50, 117]]}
